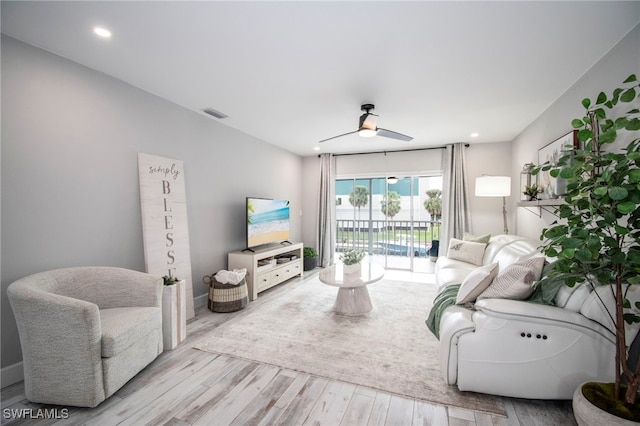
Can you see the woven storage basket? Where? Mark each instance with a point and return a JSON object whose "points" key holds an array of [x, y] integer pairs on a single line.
{"points": [[227, 297]]}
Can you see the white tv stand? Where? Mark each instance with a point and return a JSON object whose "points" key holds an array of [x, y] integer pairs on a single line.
{"points": [[263, 271]]}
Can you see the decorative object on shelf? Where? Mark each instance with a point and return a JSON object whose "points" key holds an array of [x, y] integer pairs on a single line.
{"points": [[525, 180], [351, 260], [227, 290], [598, 239], [310, 260], [174, 312], [495, 186], [531, 192], [554, 187]]}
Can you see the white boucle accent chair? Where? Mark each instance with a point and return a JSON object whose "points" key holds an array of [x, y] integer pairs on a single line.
{"points": [[85, 331]]}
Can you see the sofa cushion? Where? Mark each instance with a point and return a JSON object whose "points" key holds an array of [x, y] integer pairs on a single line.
{"points": [[476, 282], [600, 307], [515, 282], [509, 249], [572, 298], [466, 251], [122, 327]]}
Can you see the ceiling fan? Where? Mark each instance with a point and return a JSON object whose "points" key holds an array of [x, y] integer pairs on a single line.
{"points": [[368, 127]]}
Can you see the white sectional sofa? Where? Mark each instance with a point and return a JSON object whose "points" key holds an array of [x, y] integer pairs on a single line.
{"points": [[517, 348]]}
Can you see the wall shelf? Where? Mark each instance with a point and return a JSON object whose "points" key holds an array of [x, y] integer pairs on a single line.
{"points": [[541, 203], [546, 205]]}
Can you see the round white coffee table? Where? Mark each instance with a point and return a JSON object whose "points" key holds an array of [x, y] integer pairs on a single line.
{"points": [[353, 296]]}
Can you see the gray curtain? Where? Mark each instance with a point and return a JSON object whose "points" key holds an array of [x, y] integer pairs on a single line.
{"points": [[455, 196], [326, 211]]}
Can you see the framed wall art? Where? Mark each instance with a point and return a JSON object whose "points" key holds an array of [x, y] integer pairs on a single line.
{"points": [[555, 187]]}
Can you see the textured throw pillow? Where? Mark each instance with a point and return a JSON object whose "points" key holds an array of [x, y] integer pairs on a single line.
{"points": [[466, 251], [476, 282], [484, 239], [515, 282]]}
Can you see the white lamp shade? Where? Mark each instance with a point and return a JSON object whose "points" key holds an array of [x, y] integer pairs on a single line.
{"points": [[493, 186]]}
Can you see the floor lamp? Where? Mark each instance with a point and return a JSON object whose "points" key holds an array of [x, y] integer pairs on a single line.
{"points": [[495, 186]]}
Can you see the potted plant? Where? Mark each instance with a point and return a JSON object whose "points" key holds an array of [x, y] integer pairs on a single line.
{"points": [[351, 260], [597, 237], [433, 205], [174, 311], [532, 191], [310, 258]]}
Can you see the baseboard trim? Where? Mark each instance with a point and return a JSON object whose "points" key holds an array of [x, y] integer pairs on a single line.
{"points": [[11, 374], [200, 301]]}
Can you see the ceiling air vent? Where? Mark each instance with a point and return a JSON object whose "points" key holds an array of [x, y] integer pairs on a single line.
{"points": [[217, 114]]}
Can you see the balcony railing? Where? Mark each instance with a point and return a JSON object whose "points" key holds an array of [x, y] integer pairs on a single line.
{"points": [[390, 237]]}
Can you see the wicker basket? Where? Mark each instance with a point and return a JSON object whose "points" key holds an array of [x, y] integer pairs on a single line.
{"points": [[226, 297]]}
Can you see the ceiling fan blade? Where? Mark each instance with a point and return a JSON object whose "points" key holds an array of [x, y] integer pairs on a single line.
{"points": [[393, 135], [339, 136]]}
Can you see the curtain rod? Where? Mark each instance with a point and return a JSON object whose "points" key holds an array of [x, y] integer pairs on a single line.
{"points": [[466, 145]]}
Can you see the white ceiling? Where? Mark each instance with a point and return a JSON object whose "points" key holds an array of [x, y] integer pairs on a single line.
{"points": [[294, 73]]}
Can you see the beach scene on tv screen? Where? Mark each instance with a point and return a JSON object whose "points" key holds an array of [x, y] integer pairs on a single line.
{"points": [[267, 221]]}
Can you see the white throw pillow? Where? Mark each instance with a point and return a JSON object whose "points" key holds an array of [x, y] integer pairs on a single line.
{"points": [[466, 251], [476, 282], [515, 282], [477, 239]]}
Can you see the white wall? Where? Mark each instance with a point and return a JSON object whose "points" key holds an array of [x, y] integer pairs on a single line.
{"points": [[70, 197], [606, 75], [486, 212]]}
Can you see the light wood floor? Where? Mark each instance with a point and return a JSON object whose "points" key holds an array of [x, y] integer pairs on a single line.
{"points": [[191, 387]]}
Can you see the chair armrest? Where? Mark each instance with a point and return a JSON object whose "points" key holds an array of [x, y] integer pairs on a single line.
{"points": [[456, 321], [540, 314], [119, 288], [61, 346]]}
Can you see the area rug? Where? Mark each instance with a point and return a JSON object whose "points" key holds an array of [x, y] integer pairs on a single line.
{"points": [[389, 349]]}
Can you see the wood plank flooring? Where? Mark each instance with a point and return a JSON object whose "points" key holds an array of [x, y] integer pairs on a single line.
{"points": [[190, 387]]}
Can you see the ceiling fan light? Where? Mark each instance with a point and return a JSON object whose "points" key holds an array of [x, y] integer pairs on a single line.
{"points": [[367, 133]]}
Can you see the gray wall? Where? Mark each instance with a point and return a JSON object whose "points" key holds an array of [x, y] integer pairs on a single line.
{"points": [[70, 196], [606, 75]]}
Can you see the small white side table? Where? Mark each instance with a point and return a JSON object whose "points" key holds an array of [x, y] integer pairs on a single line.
{"points": [[174, 314], [353, 296]]}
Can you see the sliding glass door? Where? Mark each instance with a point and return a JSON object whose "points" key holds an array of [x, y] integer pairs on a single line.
{"points": [[393, 220]]}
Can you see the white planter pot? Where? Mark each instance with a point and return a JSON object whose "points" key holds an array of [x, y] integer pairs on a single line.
{"points": [[587, 414], [174, 314], [352, 269]]}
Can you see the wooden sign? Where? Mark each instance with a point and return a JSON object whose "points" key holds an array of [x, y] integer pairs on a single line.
{"points": [[164, 220]]}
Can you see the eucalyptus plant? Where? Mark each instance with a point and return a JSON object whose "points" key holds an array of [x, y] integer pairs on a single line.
{"points": [[597, 236], [351, 257]]}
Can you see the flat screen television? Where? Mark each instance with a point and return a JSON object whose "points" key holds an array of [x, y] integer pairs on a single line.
{"points": [[268, 221]]}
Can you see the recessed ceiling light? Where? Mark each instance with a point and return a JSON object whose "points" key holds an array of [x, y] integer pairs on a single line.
{"points": [[316, 148], [102, 32], [474, 135]]}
